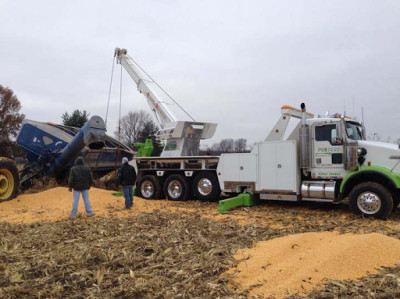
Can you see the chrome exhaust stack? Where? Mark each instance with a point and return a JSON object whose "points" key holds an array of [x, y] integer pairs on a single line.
{"points": [[304, 137]]}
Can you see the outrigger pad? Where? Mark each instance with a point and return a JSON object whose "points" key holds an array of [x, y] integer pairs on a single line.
{"points": [[117, 194], [242, 200]]}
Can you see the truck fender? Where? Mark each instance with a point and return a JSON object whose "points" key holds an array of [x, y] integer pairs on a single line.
{"points": [[375, 174]]}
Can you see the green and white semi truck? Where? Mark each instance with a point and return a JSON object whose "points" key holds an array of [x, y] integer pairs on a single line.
{"points": [[321, 160]]}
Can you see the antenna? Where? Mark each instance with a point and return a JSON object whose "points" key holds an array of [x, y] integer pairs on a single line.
{"points": [[362, 115], [344, 108], [362, 123]]}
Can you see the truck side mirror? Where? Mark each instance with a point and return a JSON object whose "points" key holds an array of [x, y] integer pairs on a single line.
{"points": [[337, 141]]}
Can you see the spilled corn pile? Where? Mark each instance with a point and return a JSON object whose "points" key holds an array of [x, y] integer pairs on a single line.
{"points": [[181, 249], [300, 262], [55, 204]]}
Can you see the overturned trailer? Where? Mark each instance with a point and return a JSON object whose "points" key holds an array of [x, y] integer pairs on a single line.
{"points": [[51, 149]]}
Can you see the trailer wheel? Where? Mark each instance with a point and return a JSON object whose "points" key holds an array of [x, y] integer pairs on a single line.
{"points": [[371, 200], [9, 179], [148, 187], [176, 188], [206, 186]]}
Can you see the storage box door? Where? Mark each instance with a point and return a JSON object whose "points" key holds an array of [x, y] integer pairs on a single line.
{"points": [[230, 167], [248, 167], [286, 166], [267, 166]]}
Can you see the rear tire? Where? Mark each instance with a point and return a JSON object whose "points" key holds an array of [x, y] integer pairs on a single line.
{"points": [[148, 187], [9, 179], [206, 186], [176, 188], [371, 200]]}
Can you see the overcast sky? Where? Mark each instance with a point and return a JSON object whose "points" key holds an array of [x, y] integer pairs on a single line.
{"points": [[231, 62]]}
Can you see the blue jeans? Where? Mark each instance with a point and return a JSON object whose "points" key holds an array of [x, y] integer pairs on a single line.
{"points": [[128, 194], [85, 196]]}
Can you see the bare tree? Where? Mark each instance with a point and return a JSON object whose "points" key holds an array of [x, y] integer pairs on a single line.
{"points": [[214, 147], [227, 145], [240, 145], [131, 126]]}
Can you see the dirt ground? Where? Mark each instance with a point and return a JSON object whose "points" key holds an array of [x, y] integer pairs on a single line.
{"points": [[306, 237]]}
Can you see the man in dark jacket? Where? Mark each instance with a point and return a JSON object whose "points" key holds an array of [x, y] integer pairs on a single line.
{"points": [[80, 179], [126, 178]]}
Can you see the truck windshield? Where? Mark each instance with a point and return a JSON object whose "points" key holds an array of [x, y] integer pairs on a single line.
{"points": [[354, 131]]}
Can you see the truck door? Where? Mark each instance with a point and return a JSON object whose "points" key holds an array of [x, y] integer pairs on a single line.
{"points": [[327, 151]]}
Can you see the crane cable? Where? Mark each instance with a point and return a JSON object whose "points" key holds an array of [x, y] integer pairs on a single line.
{"points": [[187, 113], [109, 90], [119, 119], [108, 106], [119, 115]]}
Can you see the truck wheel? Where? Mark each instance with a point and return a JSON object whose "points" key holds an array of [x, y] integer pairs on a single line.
{"points": [[9, 179], [371, 200], [206, 186], [396, 202], [176, 188], [148, 187]]}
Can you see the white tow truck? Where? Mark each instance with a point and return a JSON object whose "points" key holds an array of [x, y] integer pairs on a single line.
{"points": [[322, 160]]}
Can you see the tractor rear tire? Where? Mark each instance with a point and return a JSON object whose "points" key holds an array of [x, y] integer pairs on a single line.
{"points": [[9, 179]]}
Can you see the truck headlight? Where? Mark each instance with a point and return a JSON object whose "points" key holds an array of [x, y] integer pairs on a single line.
{"points": [[361, 151]]}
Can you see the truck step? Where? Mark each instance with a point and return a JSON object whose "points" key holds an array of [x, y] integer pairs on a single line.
{"points": [[317, 199], [286, 197]]}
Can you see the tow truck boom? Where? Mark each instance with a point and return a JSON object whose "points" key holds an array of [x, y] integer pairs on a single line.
{"points": [[147, 87], [182, 138]]}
